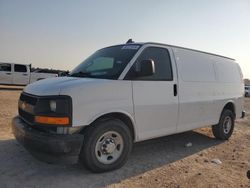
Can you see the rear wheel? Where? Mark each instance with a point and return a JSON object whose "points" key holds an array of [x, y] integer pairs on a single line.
{"points": [[224, 129], [107, 145]]}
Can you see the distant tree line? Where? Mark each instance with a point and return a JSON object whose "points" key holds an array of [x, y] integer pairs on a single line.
{"points": [[247, 82], [46, 70]]}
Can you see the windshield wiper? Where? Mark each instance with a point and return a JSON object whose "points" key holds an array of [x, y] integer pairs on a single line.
{"points": [[81, 74]]}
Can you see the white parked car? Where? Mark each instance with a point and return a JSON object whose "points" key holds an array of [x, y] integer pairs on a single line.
{"points": [[20, 74], [124, 94], [247, 91]]}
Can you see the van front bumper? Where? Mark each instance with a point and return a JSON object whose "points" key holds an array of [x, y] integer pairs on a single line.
{"points": [[52, 148]]}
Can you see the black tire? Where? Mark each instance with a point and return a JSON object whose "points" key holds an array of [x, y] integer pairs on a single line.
{"points": [[221, 130], [92, 137]]}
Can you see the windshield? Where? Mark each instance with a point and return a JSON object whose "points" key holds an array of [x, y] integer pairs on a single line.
{"points": [[107, 63]]}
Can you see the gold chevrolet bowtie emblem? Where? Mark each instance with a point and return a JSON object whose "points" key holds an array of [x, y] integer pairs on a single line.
{"points": [[23, 106]]}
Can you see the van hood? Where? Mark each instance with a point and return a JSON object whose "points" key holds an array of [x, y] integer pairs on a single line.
{"points": [[54, 86]]}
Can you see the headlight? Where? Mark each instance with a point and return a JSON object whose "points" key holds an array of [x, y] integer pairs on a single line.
{"points": [[52, 104]]}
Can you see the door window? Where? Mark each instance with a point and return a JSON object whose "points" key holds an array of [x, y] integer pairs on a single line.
{"points": [[5, 67], [20, 68], [163, 68]]}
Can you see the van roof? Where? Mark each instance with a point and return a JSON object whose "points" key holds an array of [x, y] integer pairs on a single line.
{"points": [[155, 43]]}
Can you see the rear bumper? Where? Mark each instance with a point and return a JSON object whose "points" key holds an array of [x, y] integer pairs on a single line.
{"points": [[47, 147]]}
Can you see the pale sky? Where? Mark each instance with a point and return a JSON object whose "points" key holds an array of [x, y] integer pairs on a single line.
{"points": [[62, 33]]}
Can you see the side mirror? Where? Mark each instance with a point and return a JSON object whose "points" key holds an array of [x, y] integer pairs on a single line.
{"points": [[145, 68]]}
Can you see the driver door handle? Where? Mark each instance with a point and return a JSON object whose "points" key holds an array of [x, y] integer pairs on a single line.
{"points": [[175, 89]]}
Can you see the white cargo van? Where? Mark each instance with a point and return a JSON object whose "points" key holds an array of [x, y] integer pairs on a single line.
{"points": [[124, 94], [20, 74]]}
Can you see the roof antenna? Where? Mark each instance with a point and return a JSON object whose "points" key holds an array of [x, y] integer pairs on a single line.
{"points": [[130, 41]]}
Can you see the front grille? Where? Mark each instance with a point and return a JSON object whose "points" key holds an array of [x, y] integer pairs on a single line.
{"points": [[29, 118], [26, 103], [26, 106], [28, 98]]}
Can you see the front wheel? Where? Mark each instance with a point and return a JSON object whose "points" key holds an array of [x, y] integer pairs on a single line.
{"points": [[224, 129], [107, 145]]}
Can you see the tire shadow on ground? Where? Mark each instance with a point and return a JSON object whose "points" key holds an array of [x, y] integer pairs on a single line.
{"points": [[19, 167]]}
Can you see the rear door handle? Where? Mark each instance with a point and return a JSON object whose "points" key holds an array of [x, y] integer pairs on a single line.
{"points": [[25, 74], [8, 73], [175, 89]]}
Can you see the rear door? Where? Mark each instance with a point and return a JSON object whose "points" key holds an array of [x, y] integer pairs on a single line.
{"points": [[21, 74], [155, 97], [5, 73]]}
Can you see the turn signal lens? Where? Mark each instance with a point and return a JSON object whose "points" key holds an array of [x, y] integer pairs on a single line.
{"points": [[52, 120]]}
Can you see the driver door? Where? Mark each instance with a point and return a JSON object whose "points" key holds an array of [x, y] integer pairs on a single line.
{"points": [[155, 97]]}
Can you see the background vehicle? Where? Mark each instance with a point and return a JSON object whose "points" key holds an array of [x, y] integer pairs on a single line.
{"points": [[20, 74], [247, 91], [124, 94]]}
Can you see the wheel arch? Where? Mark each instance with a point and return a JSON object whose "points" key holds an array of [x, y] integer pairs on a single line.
{"points": [[230, 106], [123, 116]]}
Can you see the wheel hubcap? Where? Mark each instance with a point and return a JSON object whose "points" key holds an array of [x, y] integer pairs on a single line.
{"points": [[109, 147], [227, 125]]}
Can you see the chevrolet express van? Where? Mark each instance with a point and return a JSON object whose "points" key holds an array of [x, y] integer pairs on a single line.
{"points": [[124, 94]]}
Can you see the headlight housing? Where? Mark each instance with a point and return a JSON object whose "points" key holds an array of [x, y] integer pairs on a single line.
{"points": [[53, 110]]}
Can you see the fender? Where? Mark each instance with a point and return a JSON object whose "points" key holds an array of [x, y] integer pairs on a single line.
{"points": [[127, 114]]}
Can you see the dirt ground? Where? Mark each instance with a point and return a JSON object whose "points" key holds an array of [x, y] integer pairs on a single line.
{"points": [[163, 162]]}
